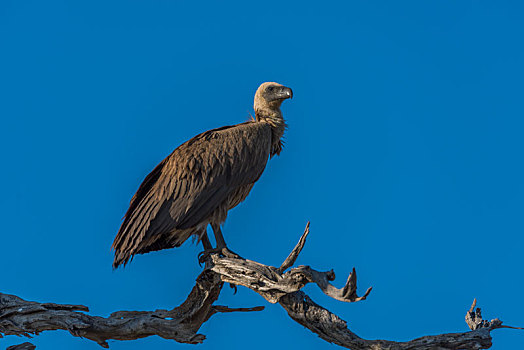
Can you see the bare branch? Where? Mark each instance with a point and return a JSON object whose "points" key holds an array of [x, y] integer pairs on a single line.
{"points": [[475, 321], [23, 346], [292, 257], [220, 308], [20, 317], [347, 294], [272, 283], [333, 329], [269, 283]]}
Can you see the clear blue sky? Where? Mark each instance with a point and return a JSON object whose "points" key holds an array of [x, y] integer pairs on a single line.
{"points": [[404, 149]]}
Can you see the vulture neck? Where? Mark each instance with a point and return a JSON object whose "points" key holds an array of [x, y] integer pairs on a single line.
{"points": [[273, 117]]}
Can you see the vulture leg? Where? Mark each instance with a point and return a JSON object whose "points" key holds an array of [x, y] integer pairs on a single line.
{"points": [[221, 243], [221, 246], [205, 241], [207, 247]]}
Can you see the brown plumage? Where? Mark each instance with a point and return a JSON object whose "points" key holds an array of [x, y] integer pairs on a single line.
{"points": [[201, 180]]}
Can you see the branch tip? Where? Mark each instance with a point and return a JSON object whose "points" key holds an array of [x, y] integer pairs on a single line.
{"points": [[473, 305], [292, 257]]}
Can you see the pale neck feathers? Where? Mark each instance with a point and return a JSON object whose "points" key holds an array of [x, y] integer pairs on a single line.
{"points": [[272, 116]]}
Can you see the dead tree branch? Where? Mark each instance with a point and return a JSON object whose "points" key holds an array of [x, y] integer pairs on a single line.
{"points": [[23, 346], [26, 318], [21, 317]]}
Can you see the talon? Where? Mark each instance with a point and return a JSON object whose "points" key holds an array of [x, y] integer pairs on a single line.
{"points": [[229, 254], [200, 259], [224, 252], [202, 256]]}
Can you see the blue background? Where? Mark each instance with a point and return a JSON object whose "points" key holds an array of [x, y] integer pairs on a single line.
{"points": [[404, 149]]}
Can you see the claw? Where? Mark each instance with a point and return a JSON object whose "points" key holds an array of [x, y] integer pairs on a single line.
{"points": [[202, 256], [224, 252], [229, 254]]}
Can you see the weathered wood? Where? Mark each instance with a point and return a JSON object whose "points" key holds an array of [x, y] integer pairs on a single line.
{"points": [[266, 281], [292, 257], [474, 320], [273, 283], [333, 329], [21, 317], [23, 346]]}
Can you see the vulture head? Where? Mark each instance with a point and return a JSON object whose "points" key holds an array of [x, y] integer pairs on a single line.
{"points": [[269, 97]]}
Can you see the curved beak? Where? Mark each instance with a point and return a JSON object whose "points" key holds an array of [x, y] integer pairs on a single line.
{"points": [[285, 92]]}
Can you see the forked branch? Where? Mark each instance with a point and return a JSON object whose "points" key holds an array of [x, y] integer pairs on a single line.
{"points": [[21, 317], [26, 318]]}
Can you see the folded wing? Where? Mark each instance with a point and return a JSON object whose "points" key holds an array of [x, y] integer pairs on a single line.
{"points": [[186, 188]]}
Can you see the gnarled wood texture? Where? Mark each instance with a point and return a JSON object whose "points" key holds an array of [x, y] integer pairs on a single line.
{"points": [[26, 318]]}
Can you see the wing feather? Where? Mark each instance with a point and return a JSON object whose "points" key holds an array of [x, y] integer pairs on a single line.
{"points": [[190, 184]]}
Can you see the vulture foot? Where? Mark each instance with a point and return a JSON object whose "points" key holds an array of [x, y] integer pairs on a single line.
{"points": [[224, 252]]}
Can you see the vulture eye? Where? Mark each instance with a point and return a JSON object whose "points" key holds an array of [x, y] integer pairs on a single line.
{"points": [[270, 89]]}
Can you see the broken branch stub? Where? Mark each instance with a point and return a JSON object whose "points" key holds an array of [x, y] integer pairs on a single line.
{"points": [[273, 283], [26, 318]]}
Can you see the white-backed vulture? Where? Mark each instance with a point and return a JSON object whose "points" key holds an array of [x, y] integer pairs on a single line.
{"points": [[201, 180]]}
